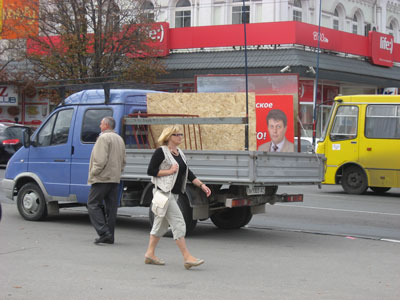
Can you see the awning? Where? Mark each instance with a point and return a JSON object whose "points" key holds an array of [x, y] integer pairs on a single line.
{"points": [[265, 61]]}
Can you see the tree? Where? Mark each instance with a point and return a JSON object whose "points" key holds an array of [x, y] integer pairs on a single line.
{"points": [[90, 41]]}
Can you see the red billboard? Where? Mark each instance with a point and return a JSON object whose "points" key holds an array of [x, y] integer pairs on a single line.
{"points": [[280, 109]]}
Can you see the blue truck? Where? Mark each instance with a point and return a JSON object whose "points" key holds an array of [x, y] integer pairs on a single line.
{"points": [[50, 171]]}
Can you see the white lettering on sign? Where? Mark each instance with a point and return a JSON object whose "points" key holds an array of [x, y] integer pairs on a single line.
{"points": [[322, 37], [157, 34], [386, 44], [264, 105], [261, 136]]}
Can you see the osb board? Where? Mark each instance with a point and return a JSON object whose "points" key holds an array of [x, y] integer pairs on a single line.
{"points": [[213, 137]]}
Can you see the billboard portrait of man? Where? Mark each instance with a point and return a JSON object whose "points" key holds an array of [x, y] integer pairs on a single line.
{"points": [[277, 126]]}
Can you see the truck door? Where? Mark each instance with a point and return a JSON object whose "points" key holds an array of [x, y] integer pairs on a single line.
{"points": [[343, 141], [50, 157], [379, 149], [86, 133]]}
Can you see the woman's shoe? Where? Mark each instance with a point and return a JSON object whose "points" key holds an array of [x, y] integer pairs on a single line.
{"points": [[189, 264], [151, 261]]}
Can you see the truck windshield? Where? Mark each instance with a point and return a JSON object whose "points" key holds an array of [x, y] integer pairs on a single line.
{"points": [[345, 123]]}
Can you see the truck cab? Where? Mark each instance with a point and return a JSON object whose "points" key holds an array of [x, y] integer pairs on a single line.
{"points": [[53, 166]]}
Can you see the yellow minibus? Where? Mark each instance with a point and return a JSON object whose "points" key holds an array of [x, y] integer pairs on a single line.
{"points": [[361, 142]]}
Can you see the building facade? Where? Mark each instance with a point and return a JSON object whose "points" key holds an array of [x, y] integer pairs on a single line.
{"points": [[340, 71]]}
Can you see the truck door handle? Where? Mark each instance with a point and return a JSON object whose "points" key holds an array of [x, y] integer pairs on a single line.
{"points": [[353, 142], [59, 160]]}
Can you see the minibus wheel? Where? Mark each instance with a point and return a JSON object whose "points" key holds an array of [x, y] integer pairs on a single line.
{"points": [[354, 181]]}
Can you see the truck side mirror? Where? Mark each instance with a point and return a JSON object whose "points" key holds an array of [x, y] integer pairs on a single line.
{"points": [[26, 138]]}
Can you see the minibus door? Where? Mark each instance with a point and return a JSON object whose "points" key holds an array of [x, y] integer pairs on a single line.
{"points": [[343, 146]]}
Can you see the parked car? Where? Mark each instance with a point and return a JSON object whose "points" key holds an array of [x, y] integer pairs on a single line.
{"points": [[306, 144], [10, 139]]}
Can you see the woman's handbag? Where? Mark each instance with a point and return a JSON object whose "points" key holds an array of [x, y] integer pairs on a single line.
{"points": [[160, 203]]}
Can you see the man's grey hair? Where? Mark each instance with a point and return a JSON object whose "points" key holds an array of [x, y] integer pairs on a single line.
{"points": [[110, 122]]}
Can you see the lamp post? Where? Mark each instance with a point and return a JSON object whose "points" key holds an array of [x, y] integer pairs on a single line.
{"points": [[316, 79], [246, 126]]}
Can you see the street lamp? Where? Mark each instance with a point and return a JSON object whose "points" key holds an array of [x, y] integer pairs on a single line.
{"points": [[316, 79], [246, 126]]}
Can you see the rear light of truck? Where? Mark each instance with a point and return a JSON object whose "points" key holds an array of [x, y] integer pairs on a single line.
{"points": [[293, 198], [237, 202], [11, 142]]}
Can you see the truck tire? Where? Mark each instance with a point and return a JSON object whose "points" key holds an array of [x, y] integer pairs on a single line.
{"points": [[187, 212], [248, 217], [354, 181], [231, 218], [31, 203], [379, 190]]}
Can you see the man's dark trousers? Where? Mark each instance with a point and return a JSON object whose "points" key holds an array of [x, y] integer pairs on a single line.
{"points": [[109, 193]]}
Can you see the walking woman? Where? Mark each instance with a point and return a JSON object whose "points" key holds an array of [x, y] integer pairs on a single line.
{"points": [[170, 173]]}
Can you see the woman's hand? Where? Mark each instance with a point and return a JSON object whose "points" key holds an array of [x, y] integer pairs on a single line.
{"points": [[173, 169], [205, 189]]}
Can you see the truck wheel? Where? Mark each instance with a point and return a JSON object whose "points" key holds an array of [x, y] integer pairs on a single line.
{"points": [[248, 217], [187, 212], [379, 190], [354, 180], [31, 203], [231, 218]]}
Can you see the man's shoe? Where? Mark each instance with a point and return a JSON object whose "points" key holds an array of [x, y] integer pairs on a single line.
{"points": [[106, 238]]}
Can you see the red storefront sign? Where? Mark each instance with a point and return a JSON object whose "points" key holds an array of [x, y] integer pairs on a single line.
{"points": [[276, 33], [382, 49], [158, 34], [379, 47]]}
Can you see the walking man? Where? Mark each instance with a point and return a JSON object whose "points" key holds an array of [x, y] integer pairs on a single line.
{"points": [[107, 162]]}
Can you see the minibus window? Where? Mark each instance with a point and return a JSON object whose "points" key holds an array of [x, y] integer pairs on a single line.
{"points": [[323, 135], [382, 122], [345, 123]]}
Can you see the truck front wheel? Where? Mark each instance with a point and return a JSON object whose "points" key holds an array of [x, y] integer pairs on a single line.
{"points": [[354, 180], [231, 218], [31, 203]]}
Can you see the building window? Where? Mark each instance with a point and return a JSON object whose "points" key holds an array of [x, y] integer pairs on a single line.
{"points": [[336, 20], [355, 25], [297, 11], [393, 29], [148, 8], [183, 14], [240, 13]]}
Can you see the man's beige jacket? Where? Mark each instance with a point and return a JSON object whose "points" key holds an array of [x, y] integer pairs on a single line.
{"points": [[107, 160]]}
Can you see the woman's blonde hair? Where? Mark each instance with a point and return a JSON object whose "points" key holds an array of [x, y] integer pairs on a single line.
{"points": [[166, 134]]}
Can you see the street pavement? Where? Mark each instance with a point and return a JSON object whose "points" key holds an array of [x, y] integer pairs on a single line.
{"points": [[56, 259], [332, 246]]}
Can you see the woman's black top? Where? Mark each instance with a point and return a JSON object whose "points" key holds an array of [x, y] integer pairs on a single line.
{"points": [[154, 168]]}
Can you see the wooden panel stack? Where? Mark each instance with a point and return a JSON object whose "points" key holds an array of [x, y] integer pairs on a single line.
{"points": [[214, 137]]}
